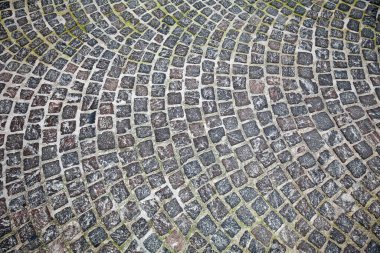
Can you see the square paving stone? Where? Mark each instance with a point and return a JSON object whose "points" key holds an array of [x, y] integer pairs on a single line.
{"points": [[356, 167], [206, 225], [323, 121], [273, 221], [317, 239], [97, 235], [152, 243], [220, 240], [262, 234], [245, 216], [313, 140]]}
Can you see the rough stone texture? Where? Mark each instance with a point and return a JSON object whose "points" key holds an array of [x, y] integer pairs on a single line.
{"points": [[189, 126]]}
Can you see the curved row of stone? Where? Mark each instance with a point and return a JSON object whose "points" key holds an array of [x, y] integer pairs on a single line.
{"points": [[190, 126]]}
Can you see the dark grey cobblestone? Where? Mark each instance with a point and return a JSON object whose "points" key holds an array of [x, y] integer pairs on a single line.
{"points": [[189, 126]]}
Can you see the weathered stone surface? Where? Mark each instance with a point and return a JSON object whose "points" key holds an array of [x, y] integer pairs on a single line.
{"points": [[262, 234], [189, 126]]}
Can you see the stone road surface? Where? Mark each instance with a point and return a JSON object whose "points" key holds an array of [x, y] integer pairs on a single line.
{"points": [[189, 126]]}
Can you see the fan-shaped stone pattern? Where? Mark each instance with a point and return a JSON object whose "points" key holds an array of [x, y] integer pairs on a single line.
{"points": [[189, 126]]}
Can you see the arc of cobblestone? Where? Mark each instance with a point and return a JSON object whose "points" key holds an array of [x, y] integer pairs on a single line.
{"points": [[189, 126]]}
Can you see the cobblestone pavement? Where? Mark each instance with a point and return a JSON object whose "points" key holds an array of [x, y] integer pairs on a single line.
{"points": [[189, 126]]}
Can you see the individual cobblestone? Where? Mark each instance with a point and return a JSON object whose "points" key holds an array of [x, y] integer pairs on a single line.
{"points": [[189, 126]]}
